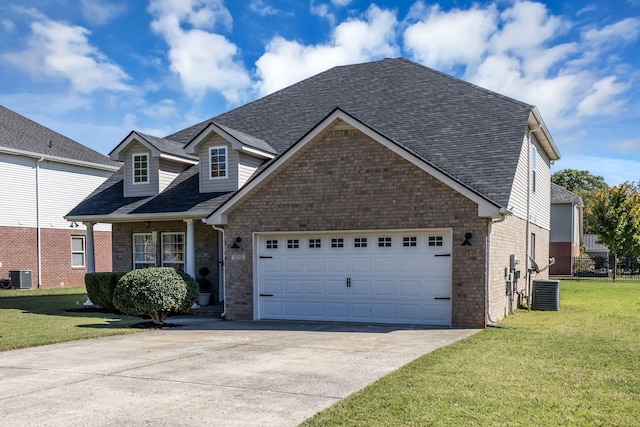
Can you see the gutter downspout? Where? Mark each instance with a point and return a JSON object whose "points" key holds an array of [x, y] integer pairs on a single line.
{"points": [[504, 214], [38, 229], [528, 225], [221, 270]]}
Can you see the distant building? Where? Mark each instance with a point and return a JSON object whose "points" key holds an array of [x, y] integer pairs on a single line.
{"points": [[566, 235], [43, 175]]}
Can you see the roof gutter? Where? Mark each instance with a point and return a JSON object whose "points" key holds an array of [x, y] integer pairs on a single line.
{"points": [[38, 228], [33, 155], [110, 219]]}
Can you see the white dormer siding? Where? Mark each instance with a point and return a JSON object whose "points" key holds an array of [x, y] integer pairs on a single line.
{"points": [[167, 172], [247, 165], [161, 172], [240, 166], [540, 201], [137, 189]]}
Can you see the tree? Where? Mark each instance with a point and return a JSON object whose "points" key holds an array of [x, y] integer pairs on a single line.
{"points": [[616, 216], [583, 184]]}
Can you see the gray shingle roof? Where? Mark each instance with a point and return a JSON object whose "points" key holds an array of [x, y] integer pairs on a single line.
{"points": [[471, 133], [166, 146], [20, 133], [181, 195], [560, 195]]}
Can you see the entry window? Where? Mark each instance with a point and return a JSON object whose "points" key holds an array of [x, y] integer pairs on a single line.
{"points": [[140, 168], [360, 242], [409, 241], [337, 242], [436, 241], [293, 243], [218, 162], [77, 252], [384, 242], [173, 250], [314, 243], [144, 250], [272, 244]]}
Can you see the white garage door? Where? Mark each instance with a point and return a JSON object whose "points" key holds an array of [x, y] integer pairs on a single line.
{"points": [[383, 277]]}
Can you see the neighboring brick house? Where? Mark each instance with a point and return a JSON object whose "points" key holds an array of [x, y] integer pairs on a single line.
{"points": [[566, 235], [42, 176], [379, 192]]}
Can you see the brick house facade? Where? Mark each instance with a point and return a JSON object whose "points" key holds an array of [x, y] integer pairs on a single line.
{"points": [[336, 157]]}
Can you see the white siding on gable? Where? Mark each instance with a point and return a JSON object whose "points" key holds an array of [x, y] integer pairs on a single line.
{"points": [[540, 202], [168, 172], [246, 167], [149, 189], [61, 188]]}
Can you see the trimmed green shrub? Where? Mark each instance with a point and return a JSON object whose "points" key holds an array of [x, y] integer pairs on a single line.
{"points": [[100, 288], [155, 291]]}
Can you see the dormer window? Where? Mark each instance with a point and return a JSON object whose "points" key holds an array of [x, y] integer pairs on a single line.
{"points": [[218, 162], [140, 168]]}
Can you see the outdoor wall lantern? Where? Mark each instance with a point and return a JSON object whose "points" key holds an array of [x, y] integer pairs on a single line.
{"points": [[235, 243], [467, 239], [147, 224]]}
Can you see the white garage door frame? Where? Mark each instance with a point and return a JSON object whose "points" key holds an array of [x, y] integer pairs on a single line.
{"points": [[434, 255]]}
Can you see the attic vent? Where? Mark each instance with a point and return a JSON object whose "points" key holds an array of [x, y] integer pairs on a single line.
{"points": [[546, 295]]}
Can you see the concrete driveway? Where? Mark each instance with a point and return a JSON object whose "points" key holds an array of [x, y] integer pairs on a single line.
{"points": [[205, 372]]}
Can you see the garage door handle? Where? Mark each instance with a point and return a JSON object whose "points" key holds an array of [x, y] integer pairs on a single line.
{"points": [[443, 255], [443, 298], [266, 295], [265, 257]]}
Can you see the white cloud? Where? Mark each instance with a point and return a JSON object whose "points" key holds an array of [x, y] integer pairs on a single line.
{"points": [[161, 110], [8, 26], [624, 31], [516, 52], [99, 12], [341, 3], [628, 146], [356, 40], [446, 39], [62, 51], [203, 60], [262, 9], [526, 28], [603, 99]]}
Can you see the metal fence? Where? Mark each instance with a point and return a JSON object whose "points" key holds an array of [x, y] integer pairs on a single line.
{"points": [[595, 268]]}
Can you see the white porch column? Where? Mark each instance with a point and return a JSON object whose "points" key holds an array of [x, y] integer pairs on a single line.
{"points": [[191, 249], [91, 254]]}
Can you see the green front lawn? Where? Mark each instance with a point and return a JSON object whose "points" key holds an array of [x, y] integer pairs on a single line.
{"points": [[40, 316], [579, 366]]}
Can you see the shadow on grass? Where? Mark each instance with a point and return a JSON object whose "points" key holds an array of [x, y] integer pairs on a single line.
{"points": [[68, 305]]}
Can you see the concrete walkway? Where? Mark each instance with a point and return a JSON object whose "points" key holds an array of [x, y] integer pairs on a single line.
{"points": [[205, 372]]}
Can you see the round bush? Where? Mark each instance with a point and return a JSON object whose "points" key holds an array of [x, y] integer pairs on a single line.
{"points": [[156, 291]]}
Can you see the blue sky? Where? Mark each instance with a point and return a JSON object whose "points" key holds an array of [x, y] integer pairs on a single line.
{"points": [[94, 70]]}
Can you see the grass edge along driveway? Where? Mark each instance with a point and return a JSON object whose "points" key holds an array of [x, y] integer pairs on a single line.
{"points": [[42, 316], [579, 366]]}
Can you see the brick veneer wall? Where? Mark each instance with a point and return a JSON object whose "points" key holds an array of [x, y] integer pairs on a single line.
{"points": [[19, 251], [345, 181], [509, 237], [206, 243]]}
